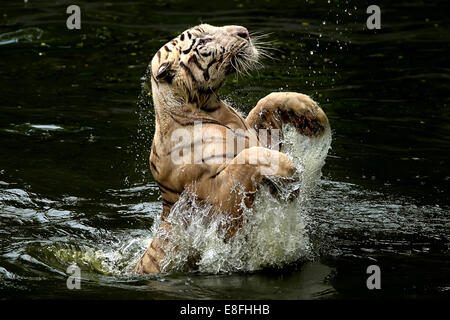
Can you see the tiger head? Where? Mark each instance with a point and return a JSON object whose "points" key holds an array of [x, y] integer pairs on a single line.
{"points": [[192, 67]]}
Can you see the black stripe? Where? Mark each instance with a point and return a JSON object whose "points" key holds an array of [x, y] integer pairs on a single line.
{"points": [[189, 35], [166, 188], [159, 55], [154, 167], [156, 249], [218, 172], [188, 71], [194, 59], [192, 121], [152, 259], [190, 48], [205, 54], [167, 48], [199, 29], [179, 122], [167, 202], [154, 150], [206, 72], [210, 110], [182, 37]]}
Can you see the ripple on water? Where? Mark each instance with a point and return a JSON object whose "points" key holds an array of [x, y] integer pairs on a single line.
{"points": [[43, 236], [29, 129], [21, 35]]}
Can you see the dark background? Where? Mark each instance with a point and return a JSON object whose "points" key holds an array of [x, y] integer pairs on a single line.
{"points": [[84, 183]]}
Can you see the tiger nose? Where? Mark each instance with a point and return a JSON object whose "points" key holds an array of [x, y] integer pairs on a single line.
{"points": [[243, 33]]}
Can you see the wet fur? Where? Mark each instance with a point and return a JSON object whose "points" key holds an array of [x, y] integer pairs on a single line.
{"points": [[186, 75]]}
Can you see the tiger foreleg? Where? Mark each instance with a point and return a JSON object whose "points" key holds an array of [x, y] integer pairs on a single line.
{"points": [[236, 181], [233, 184], [150, 262], [278, 108]]}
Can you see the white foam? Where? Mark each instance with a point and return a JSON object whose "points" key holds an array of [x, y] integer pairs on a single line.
{"points": [[274, 231]]}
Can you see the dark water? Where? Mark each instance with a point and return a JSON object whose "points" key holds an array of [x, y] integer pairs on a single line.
{"points": [[75, 136]]}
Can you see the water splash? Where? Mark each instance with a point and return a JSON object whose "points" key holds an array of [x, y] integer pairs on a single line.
{"points": [[274, 231]]}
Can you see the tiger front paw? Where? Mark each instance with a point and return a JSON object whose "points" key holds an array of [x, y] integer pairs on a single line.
{"points": [[274, 163], [295, 108]]}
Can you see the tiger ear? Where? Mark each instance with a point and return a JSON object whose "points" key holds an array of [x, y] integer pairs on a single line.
{"points": [[163, 71]]}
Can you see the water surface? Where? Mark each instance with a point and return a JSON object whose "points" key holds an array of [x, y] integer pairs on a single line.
{"points": [[76, 129]]}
